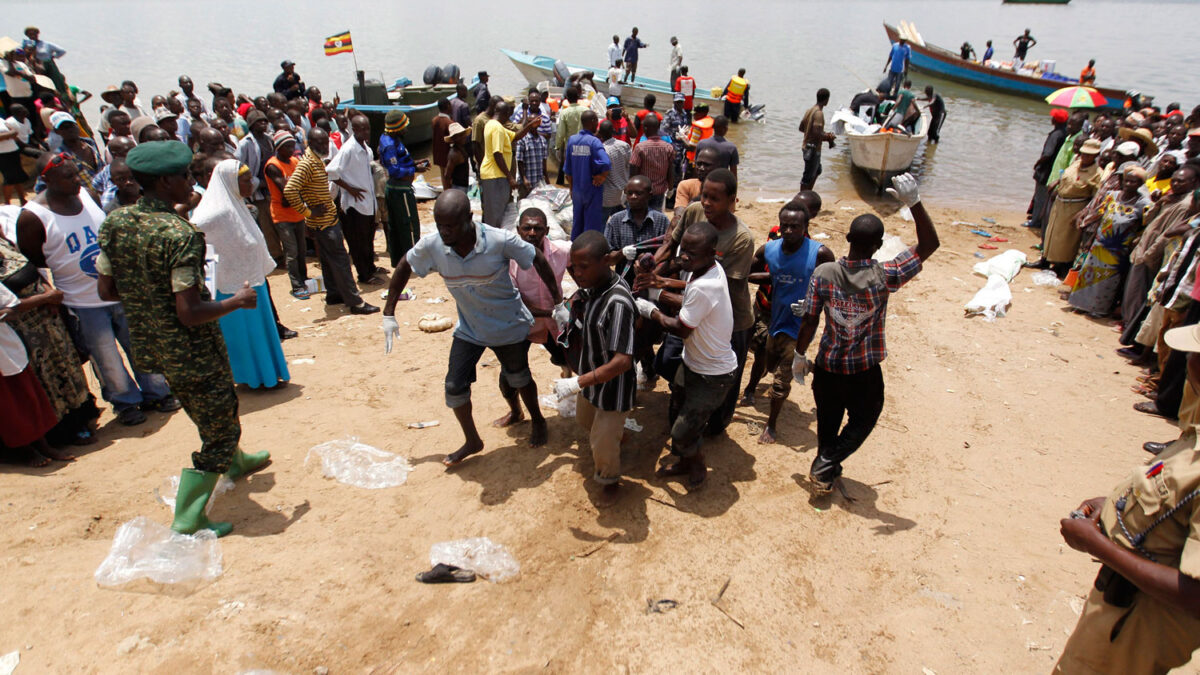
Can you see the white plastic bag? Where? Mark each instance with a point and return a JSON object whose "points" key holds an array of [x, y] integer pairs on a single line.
{"points": [[360, 465], [146, 556], [565, 407], [165, 493], [478, 554], [992, 300], [1007, 265], [1045, 278], [892, 247]]}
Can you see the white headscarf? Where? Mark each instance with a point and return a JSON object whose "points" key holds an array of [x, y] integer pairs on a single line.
{"points": [[222, 216]]}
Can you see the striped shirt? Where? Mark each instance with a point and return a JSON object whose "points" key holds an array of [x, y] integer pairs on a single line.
{"points": [[531, 152], [652, 158], [607, 316], [618, 175], [308, 186]]}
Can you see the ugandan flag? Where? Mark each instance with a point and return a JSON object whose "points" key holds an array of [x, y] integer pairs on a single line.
{"points": [[338, 44]]}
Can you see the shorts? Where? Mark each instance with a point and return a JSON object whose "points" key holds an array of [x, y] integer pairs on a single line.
{"points": [[812, 164], [11, 169], [514, 367], [780, 348], [760, 331]]}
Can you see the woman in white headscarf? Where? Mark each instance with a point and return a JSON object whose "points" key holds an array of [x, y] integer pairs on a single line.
{"points": [[251, 336]]}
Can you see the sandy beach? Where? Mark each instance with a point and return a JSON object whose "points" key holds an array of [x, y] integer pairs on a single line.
{"points": [[947, 560]]}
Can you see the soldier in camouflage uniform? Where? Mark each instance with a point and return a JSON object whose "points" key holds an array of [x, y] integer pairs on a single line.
{"points": [[153, 262]]}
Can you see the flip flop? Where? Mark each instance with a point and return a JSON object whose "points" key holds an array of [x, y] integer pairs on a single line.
{"points": [[442, 573], [982, 233], [988, 247], [999, 240]]}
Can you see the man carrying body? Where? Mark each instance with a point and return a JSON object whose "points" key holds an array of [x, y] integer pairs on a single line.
{"points": [[587, 166], [632, 45], [350, 170], [404, 224], [59, 229], [655, 159], [473, 260], [497, 172], [897, 65], [853, 294], [153, 262], [307, 191], [605, 382], [709, 366], [790, 261], [532, 227], [727, 152], [812, 126]]}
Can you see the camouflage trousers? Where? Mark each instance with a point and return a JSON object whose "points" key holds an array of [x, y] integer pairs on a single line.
{"points": [[210, 400]]}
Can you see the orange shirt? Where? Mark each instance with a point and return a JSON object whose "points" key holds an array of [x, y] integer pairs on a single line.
{"points": [[279, 212], [1087, 76]]}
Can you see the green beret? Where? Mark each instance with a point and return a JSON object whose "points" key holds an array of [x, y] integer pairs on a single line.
{"points": [[159, 158]]}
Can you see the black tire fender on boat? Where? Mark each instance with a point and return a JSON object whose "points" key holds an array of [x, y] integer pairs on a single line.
{"points": [[433, 75]]}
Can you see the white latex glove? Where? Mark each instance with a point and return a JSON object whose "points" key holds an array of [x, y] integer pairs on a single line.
{"points": [[799, 308], [799, 367], [904, 188], [561, 316], [630, 253], [391, 329], [645, 307], [566, 387]]}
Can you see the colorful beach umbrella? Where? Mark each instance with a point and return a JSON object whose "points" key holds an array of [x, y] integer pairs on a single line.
{"points": [[1076, 97]]}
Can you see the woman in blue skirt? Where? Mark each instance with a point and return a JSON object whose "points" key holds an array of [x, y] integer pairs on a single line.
{"points": [[251, 336]]}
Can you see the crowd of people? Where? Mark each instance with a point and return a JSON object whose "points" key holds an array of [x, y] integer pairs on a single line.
{"points": [[161, 228]]}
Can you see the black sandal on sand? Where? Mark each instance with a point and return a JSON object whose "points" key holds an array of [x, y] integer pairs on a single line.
{"points": [[679, 468], [446, 574]]}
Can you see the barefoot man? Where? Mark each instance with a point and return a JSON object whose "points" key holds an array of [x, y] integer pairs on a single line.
{"points": [[473, 260], [790, 261]]}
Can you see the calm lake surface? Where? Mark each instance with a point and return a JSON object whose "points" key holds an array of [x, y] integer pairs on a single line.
{"points": [[790, 48]]}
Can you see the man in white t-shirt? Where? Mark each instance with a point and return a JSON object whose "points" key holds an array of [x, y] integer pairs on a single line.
{"points": [[59, 229], [705, 323], [614, 79]]}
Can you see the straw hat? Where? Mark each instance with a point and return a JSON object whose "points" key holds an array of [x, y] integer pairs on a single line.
{"points": [[1144, 137], [111, 94], [1185, 339], [1090, 147], [455, 130]]}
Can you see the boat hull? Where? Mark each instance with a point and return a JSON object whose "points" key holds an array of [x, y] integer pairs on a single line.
{"points": [[420, 118], [948, 65], [537, 69], [882, 156]]}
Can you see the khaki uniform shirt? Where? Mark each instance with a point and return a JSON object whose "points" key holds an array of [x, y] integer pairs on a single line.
{"points": [[1149, 636]]}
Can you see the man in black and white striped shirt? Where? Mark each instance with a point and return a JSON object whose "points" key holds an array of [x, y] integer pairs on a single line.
{"points": [[602, 316]]}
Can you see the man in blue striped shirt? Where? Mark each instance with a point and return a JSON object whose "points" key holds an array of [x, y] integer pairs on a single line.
{"points": [[404, 226]]}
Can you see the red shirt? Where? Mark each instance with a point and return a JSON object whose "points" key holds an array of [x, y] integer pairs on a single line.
{"points": [[687, 86]]}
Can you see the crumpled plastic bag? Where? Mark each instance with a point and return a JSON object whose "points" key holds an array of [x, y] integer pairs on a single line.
{"points": [[150, 557], [557, 197], [478, 554], [165, 493], [565, 407], [992, 300], [554, 232], [1007, 265], [1045, 278], [359, 464], [892, 247]]}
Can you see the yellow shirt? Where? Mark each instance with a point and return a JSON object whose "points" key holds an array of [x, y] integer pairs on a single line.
{"points": [[1163, 185], [495, 139]]}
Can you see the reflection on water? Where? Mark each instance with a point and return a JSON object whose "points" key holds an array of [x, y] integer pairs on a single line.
{"points": [[789, 47]]}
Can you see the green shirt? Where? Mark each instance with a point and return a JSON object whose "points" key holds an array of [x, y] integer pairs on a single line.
{"points": [[1063, 159], [568, 124], [152, 254]]}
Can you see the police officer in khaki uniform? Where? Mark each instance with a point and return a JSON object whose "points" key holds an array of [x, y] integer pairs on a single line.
{"points": [[1143, 612]]}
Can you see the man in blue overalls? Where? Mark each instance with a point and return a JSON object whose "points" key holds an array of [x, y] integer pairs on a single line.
{"points": [[587, 166]]}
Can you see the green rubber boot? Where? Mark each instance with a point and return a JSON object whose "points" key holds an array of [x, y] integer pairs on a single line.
{"points": [[244, 464], [195, 488]]}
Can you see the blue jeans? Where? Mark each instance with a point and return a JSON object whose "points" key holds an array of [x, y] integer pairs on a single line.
{"points": [[894, 79], [103, 328]]}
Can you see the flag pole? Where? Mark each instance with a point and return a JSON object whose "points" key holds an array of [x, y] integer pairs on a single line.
{"points": [[353, 54]]}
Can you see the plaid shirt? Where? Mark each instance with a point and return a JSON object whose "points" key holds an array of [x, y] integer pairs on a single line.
{"points": [[532, 150], [854, 296], [652, 158], [545, 129]]}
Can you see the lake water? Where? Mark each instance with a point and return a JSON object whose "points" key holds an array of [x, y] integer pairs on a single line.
{"points": [[790, 48]]}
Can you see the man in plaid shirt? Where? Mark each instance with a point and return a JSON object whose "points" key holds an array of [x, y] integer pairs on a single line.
{"points": [[853, 294], [531, 159]]}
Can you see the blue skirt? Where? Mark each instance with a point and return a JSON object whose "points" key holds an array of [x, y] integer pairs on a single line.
{"points": [[252, 341]]}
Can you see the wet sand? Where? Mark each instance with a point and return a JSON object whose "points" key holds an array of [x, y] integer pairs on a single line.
{"points": [[948, 558]]}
